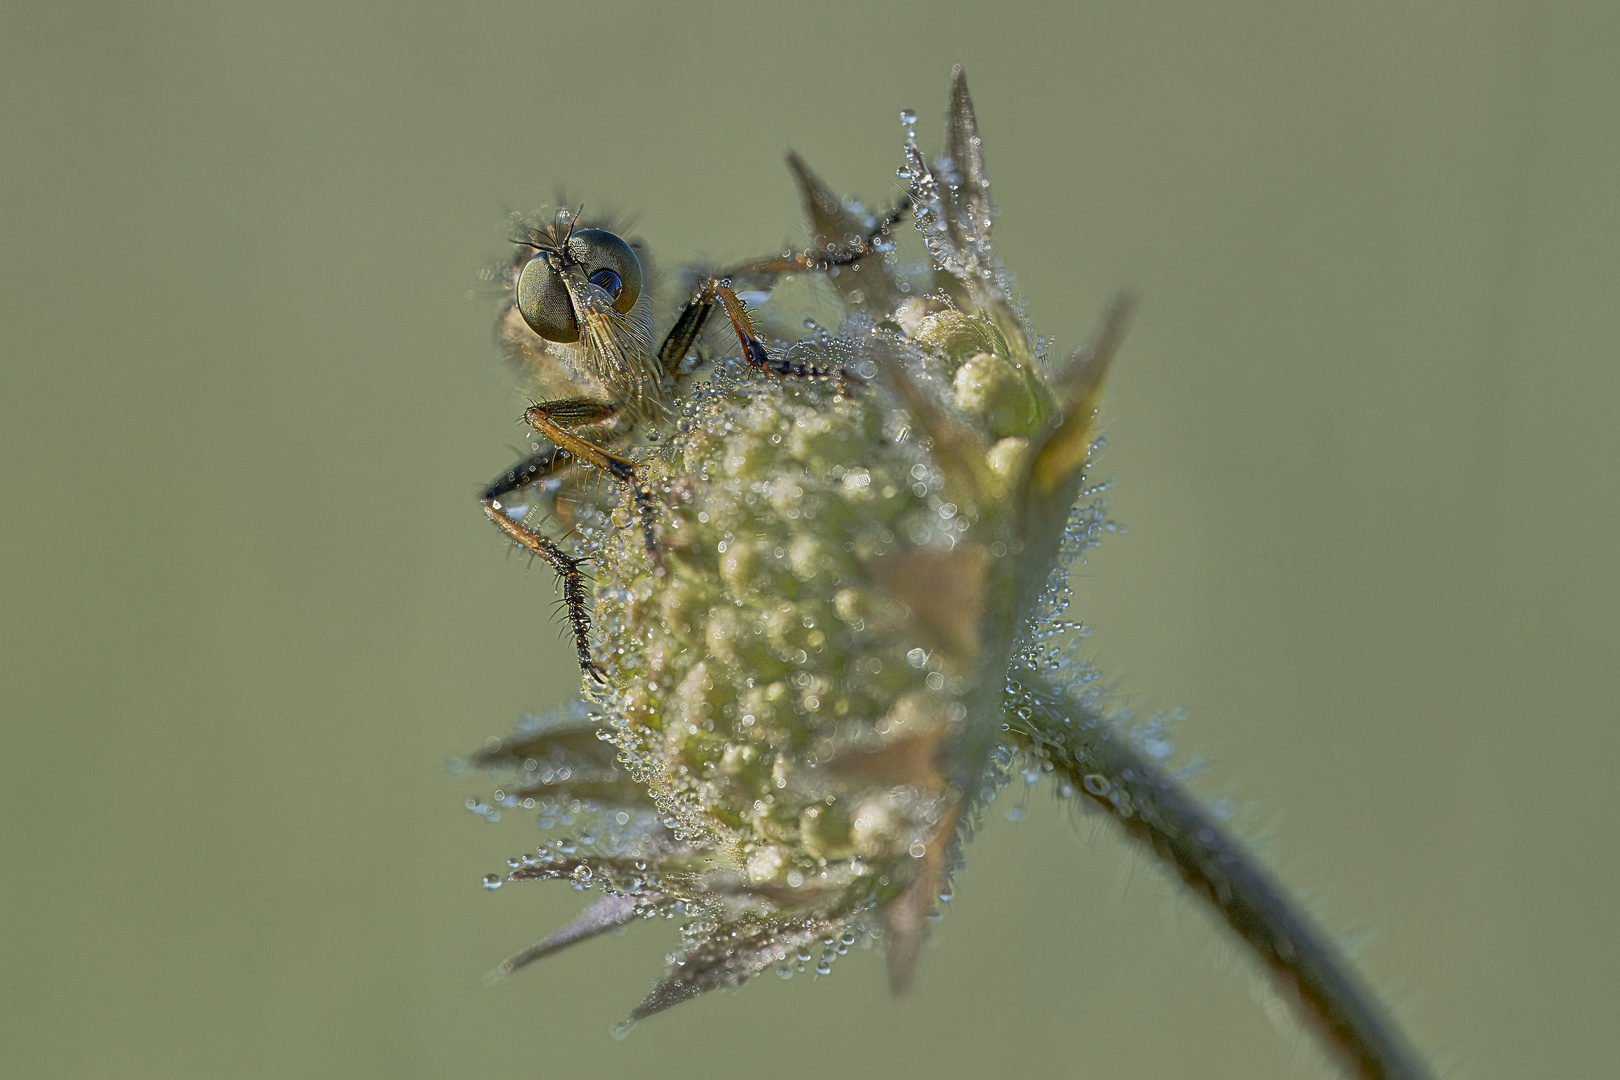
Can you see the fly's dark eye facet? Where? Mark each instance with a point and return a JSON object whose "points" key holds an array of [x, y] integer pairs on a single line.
{"points": [[608, 282], [609, 263]]}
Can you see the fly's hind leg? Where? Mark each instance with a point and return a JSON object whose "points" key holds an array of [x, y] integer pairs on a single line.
{"points": [[683, 335], [554, 419], [869, 244], [717, 291]]}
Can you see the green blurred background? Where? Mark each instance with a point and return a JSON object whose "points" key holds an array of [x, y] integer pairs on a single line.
{"points": [[1364, 430]]}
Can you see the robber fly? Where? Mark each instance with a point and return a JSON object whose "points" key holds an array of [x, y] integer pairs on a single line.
{"points": [[577, 309]]}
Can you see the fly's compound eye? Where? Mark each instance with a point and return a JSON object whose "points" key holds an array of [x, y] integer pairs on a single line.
{"points": [[608, 263], [542, 300]]}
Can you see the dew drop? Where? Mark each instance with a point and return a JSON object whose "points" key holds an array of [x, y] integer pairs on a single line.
{"points": [[492, 881]]}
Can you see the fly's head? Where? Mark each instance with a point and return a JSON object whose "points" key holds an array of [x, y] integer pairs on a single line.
{"points": [[578, 315]]}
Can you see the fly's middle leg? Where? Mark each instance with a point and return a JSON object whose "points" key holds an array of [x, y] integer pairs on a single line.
{"points": [[555, 419]]}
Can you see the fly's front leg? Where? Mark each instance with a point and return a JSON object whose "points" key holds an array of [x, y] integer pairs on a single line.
{"points": [[567, 568], [553, 419]]}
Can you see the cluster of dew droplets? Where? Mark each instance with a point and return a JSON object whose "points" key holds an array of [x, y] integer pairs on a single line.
{"points": [[832, 947], [1049, 640], [1051, 647], [966, 255], [549, 813], [561, 858], [678, 810], [927, 203], [1051, 651]]}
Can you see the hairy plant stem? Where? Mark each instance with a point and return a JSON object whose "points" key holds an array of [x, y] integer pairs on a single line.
{"points": [[1101, 762]]}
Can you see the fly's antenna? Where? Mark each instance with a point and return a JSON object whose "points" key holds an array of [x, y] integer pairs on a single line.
{"points": [[567, 221]]}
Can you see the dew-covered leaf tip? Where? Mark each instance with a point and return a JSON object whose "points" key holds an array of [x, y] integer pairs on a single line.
{"points": [[812, 521]]}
